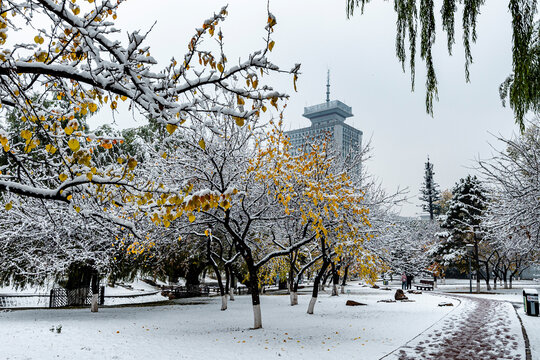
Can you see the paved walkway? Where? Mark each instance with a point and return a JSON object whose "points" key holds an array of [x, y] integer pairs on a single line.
{"points": [[476, 329]]}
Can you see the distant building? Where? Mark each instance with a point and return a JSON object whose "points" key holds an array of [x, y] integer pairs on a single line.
{"points": [[328, 120]]}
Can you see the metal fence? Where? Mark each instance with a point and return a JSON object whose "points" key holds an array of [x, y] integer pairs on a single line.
{"points": [[61, 297]]}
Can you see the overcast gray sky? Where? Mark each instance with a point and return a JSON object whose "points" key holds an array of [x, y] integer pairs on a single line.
{"points": [[365, 75]]}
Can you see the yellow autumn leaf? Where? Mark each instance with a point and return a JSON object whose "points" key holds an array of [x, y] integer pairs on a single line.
{"points": [[50, 148], [132, 163], [8, 206], [171, 128], [239, 121], [92, 107], [220, 67], [202, 144], [74, 144], [271, 45], [89, 176], [62, 177], [26, 135], [191, 218], [68, 130]]}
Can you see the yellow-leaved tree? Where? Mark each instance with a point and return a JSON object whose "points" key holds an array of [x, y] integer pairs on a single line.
{"points": [[317, 194]]}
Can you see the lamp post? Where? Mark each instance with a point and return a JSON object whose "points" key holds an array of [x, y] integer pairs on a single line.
{"points": [[470, 249]]}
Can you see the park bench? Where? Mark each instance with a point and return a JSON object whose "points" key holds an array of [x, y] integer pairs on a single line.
{"points": [[425, 285]]}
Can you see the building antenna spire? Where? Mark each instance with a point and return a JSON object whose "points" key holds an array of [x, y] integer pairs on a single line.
{"points": [[328, 86]]}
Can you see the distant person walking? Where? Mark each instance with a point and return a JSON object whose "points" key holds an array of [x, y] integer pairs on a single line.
{"points": [[404, 281]]}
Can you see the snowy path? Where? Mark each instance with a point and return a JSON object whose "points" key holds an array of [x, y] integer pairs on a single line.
{"points": [[478, 329]]}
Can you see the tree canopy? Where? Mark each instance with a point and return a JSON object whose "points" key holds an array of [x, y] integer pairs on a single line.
{"points": [[521, 88]]}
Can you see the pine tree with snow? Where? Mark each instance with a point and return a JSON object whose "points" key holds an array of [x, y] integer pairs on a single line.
{"points": [[463, 222], [430, 193]]}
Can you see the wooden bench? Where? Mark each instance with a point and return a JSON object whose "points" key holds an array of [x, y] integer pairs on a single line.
{"points": [[425, 285]]}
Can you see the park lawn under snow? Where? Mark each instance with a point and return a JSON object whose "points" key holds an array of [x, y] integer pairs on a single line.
{"points": [[201, 330]]}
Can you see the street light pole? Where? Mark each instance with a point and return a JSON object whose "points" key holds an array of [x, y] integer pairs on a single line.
{"points": [[470, 275]]}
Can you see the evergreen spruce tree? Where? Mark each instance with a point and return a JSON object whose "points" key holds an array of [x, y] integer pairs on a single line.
{"points": [[463, 221], [430, 192]]}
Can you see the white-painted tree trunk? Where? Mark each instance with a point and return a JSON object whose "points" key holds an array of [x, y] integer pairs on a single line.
{"points": [[224, 302], [478, 285], [231, 294], [311, 306], [342, 289], [334, 290], [294, 298], [257, 318], [94, 307]]}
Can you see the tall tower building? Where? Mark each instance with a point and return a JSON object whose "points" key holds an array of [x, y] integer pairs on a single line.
{"points": [[328, 119]]}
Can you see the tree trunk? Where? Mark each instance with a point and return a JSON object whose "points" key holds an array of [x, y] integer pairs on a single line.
{"points": [[294, 298], [335, 280], [255, 297], [325, 278], [223, 302], [218, 276], [488, 286], [256, 302], [316, 282], [95, 292], [495, 283], [227, 280], [511, 276], [232, 284], [344, 282]]}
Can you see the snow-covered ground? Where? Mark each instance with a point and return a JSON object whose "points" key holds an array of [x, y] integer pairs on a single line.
{"points": [[201, 330], [196, 327]]}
